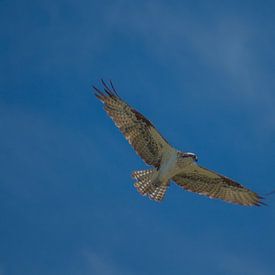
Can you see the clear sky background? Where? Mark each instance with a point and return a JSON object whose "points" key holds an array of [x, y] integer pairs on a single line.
{"points": [[202, 71]]}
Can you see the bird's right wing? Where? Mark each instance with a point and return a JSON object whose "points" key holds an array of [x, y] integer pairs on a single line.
{"points": [[138, 130], [208, 183]]}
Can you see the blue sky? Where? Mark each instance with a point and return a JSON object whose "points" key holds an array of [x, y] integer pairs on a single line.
{"points": [[201, 71]]}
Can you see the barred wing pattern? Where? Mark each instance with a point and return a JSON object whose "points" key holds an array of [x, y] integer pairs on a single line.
{"points": [[205, 182], [138, 130]]}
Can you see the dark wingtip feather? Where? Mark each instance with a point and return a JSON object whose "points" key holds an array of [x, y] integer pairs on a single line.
{"points": [[260, 201], [260, 204], [265, 195], [108, 91], [114, 88], [98, 93], [263, 203]]}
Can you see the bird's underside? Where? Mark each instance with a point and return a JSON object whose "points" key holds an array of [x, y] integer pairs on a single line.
{"points": [[168, 163]]}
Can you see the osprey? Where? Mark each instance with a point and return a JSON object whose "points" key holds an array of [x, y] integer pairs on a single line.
{"points": [[168, 163]]}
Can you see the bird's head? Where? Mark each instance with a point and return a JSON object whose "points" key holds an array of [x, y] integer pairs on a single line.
{"points": [[189, 155]]}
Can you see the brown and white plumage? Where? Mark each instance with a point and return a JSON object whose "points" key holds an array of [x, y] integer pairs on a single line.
{"points": [[137, 129], [208, 183], [169, 163]]}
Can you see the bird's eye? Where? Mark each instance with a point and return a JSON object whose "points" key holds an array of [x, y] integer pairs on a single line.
{"points": [[195, 158]]}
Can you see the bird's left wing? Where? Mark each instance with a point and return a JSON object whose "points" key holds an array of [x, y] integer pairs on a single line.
{"points": [[205, 182], [138, 130]]}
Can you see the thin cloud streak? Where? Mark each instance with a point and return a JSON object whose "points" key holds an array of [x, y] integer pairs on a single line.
{"points": [[99, 265], [224, 42]]}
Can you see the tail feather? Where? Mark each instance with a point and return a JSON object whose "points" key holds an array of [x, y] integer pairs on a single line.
{"points": [[144, 180], [143, 174], [142, 187], [158, 193], [147, 185]]}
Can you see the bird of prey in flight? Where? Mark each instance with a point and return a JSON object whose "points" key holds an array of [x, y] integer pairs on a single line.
{"points": [[168, 164]]}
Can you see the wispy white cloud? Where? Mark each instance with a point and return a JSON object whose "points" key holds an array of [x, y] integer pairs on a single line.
{"points": [[225, 42], [238, 265], [214, 251], [100, 265], [49, 44], [31, 140]]}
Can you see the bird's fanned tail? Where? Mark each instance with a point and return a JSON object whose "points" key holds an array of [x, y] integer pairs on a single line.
{"points": [[147, 185]]}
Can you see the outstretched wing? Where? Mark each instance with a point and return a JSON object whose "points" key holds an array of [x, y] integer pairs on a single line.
{"points": [[205, 182], [138, 130]]}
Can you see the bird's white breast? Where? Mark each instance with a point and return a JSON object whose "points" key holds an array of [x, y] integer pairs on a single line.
{"points": [[168, 166]]}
